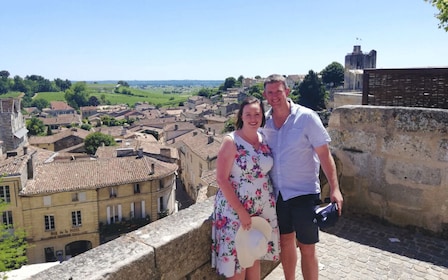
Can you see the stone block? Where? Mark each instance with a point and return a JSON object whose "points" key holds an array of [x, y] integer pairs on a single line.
{"points": [[122, 258]]}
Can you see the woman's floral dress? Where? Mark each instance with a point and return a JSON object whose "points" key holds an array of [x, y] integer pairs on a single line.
{"points": [[252, 184]]}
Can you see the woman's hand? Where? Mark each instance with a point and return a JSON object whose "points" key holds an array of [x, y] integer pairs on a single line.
{"points": [[245, 219]]}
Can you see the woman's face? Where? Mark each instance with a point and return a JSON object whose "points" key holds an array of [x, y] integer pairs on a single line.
{"points": [[252, 115]]}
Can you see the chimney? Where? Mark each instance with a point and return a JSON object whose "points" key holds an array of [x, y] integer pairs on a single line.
{"points": [[195, 133], [151, 172], [140, 153], [30, 167], [166, 152], [210, 139], [175, 127], [25, 150]]}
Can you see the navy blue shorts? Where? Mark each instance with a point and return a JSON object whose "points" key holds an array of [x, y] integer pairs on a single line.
{"points": [[297, 215]]}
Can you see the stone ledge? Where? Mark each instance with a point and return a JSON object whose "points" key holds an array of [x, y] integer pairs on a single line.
{"points": [[175, 247]]}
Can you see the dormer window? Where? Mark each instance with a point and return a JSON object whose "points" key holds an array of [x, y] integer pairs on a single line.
{"points": [[136, 188], [112, 192]]}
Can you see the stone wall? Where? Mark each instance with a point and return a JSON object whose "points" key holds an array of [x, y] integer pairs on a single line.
{"points": [[394, 163], [175, 247]]}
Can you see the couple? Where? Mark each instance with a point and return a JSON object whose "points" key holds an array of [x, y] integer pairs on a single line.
{"points": [[289, 151]]}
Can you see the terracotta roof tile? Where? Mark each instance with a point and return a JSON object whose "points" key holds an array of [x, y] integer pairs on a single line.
{"points": [[83, 175]]}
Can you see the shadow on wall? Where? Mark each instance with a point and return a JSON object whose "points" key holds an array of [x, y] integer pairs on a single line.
{"points": [[324, 185]]}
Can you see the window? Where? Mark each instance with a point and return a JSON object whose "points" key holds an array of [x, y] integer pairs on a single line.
{"points": [[49, 254], [75, 197], [136, 188], [112, 192], [7, 218], [49, 222], [4, 194], [161, 206], [113, 214], [76, 218]]}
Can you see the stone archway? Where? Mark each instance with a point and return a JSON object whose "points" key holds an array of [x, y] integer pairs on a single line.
{"points": [[77, 247]]}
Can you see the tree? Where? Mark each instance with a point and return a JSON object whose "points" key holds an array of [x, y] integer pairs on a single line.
{"points": [[19, 85], [333, 74], [40, 103], [229, 125], [311, 92], [257, 90], [4, 74], [123, 83], [35, 126], [93, 101], [442, 6], [13, 243], [239, 81], [228, 83], [77, 95], [62, 85], [206, 92], [96, 139]]}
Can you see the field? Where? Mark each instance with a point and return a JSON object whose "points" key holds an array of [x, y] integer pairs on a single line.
{"points": [[167, 96]]}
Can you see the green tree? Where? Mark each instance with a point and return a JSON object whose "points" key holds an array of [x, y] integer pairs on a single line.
{"points": [[206, 92], [19, 85], [311, 92], [333, 74], [239, 81], [40, 103], [35, 126], [257, 90], [95, 140], [93, 101], [13, 243], [229, 125], [4, 74], [62, 85], [228, 83], [77, 95], [442, 16], [123, 83]]}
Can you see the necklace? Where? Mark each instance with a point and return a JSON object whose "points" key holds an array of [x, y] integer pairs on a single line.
{"points": [[251, 140]]}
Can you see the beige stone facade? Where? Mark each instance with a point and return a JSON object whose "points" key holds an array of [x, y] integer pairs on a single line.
{"points": [[63, 206], [197, 154]]}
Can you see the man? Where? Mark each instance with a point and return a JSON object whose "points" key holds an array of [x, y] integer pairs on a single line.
{"points": [[299, 143]]}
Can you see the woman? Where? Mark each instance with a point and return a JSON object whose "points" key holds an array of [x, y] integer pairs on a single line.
{"points": [[245, 190]]}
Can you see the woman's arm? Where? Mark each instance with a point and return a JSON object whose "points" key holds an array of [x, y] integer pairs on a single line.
{"points": [[224, 163]]}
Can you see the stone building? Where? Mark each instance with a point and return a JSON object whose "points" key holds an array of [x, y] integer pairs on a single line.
{"points": [[197, 154], [69, 207], [355, 62], [13, 132]]}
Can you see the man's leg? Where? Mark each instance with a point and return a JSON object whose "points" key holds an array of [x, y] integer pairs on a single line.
{"points": [[310, 266], [288, 255]]}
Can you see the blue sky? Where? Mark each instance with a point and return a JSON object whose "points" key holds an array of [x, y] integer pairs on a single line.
{"points": [[210, 39]]}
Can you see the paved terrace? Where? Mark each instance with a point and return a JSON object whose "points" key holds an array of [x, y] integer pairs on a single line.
{"points": [[178, 247], [361, 248]]}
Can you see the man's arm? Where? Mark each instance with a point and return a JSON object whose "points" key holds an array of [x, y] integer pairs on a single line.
{"points": [[329, 168]]}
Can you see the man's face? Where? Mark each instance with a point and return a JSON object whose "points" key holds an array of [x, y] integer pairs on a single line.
{"points": [[275, 93]]}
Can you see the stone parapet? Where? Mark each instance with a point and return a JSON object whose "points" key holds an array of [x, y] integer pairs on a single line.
{"points": [[394, 163], [175, 247]]}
